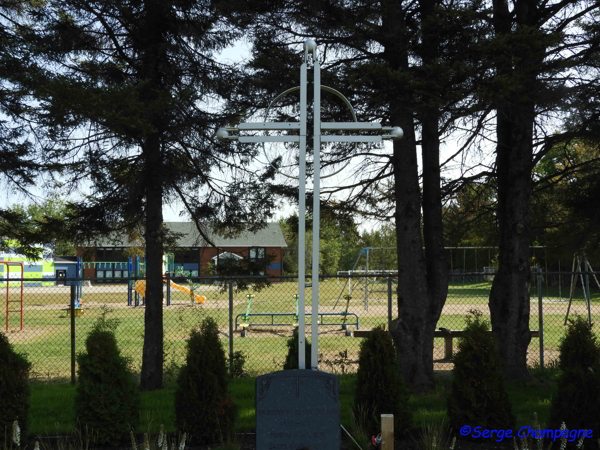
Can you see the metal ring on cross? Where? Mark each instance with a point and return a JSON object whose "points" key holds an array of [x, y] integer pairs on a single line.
{"points": [[295, 89]]}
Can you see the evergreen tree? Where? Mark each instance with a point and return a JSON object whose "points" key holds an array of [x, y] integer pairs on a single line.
{"points": [[202, 404], [19, 157], [14, 387], [478, 394], [525, 52], [128, 94], [577, 400], [107, 399], [380, 388]]}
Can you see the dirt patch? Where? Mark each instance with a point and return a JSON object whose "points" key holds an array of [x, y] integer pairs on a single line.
{"points": [[123, 305], [26, 334]]}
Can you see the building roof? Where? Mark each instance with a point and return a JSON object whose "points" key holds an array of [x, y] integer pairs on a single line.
{"points": [[65, 259], [270, 236]]}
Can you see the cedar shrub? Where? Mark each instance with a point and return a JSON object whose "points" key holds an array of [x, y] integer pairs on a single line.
{"points": [[577, 399], [291, 359], [14, 387], [380, 388], [107, 400], [478, 395], [203, 407]]}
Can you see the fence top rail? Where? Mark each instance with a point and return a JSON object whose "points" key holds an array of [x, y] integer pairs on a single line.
{"points": [[350, 274]]}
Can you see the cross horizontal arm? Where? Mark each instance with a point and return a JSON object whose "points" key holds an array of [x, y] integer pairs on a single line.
{"points": [[254, 139], [350, 126], [269, 126], [351, 138]]}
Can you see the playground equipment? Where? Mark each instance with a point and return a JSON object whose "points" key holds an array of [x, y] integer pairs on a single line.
{"points": [[137, 267], [140, 288], [321, 316], [7, 310], [585, 283], [246, 323], [370, 284], [249, 308], [78, 308], [472, 265]]}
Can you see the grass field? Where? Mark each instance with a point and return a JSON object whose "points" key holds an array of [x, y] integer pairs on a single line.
{"points": [[52, 404], [46, 334]]}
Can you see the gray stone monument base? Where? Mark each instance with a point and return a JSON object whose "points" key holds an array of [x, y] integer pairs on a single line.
{"points": [[297, 410]]}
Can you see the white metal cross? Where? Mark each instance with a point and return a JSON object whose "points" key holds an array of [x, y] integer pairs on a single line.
{"points": [[392, 133]]}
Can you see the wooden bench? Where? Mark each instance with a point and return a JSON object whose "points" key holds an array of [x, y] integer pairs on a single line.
{"points": [[448, 336]]}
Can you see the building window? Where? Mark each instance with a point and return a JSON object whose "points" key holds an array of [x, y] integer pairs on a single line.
{"points": [[187, 256], [224, 257], [256, 253], [110, 254]]}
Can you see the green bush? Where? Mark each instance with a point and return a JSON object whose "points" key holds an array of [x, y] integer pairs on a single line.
{"points": [[579, 346], [380, 388], [238, 362], [107, 400], [291, 359], [577, 400], [478, 395], [14, 388], [203, 407]]}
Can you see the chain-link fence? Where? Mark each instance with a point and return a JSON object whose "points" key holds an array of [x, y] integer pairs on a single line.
{"points": [[43, 322]]}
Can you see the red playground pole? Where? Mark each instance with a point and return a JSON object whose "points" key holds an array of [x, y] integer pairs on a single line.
{"points": [[21, 300]]}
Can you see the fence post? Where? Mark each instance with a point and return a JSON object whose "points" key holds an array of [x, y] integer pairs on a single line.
{"points": [[540, 317], [72, 307], [129, 282], [389, 303], [169, 288], [366, 306], [230, 313]]}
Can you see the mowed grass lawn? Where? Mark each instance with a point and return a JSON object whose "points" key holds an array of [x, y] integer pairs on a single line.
{"points": [[52, 404], [46, 335]]}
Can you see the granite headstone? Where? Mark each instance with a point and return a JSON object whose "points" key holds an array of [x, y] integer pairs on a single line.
{"points": [[297, 409]]}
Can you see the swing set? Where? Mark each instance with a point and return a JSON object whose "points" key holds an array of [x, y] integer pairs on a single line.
{"points": [[576, 270]]}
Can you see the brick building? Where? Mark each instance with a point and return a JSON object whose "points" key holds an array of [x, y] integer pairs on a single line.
{"points": [[192, 254]]}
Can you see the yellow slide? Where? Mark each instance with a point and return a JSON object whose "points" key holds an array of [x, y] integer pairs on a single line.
{"points": [[140, 288]]}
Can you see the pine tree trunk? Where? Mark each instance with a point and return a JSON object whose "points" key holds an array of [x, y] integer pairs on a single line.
{"points": [[152, 363], [410, 329], [437, 266], [155, 68], [517, 67], [422, 281], [509, 298], [422, 276]]}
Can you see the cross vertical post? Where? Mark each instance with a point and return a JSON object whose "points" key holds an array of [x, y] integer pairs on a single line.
{"points": [[302, 218], [316, 236]]}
